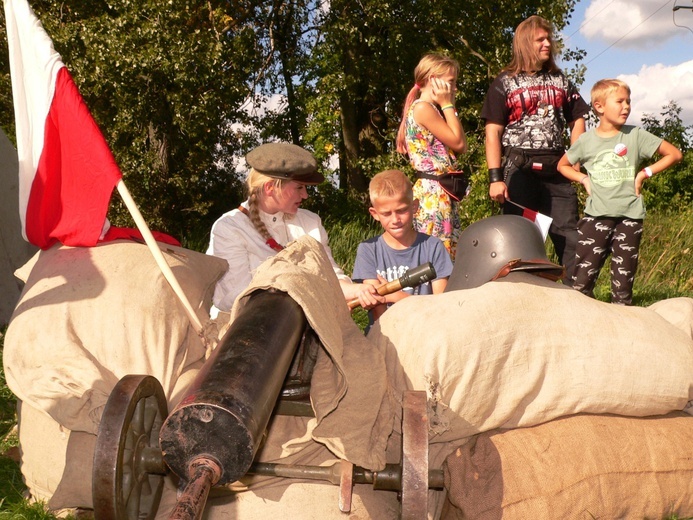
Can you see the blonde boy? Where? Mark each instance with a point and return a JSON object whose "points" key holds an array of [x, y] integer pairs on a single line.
{"points": [[614, 212], [400, 247]]}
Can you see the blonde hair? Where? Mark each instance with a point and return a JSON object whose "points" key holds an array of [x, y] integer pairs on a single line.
{"points": [[432, 64], [602, 88], [255, 183], [525, 57], [390, 183]]}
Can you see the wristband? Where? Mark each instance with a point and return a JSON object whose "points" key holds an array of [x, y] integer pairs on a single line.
{"points": [[453, 109], [495, 175], [648, 171]]}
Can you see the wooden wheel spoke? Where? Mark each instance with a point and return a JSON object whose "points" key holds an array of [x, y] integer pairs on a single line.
{"points": [[130, 424]]}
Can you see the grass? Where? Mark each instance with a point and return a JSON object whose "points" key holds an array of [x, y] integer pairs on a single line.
{"points": [[666, 261], [665, 271]]}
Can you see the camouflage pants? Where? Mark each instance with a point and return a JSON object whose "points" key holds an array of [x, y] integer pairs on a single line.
{"points": [[597, 238]]}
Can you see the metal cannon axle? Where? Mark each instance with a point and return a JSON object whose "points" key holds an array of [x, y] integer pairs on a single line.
{"points": [[388, 479]]}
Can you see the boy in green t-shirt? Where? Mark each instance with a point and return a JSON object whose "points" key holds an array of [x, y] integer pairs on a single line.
{"points": [[614, 211]]}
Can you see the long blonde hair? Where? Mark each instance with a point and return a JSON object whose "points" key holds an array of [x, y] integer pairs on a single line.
{"points": [[255, 183], [432, 64], [525, 58]]}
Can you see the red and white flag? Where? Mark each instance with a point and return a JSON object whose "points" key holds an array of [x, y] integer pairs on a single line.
{"points": [[67, 172], [543, 222]]}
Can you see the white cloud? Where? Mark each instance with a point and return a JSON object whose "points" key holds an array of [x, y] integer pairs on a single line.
{"points": [[655, 85], [633, 23]]}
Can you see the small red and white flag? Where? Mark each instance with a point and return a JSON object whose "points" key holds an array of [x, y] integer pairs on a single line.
{"points": [[543, 222], [67, 172]]}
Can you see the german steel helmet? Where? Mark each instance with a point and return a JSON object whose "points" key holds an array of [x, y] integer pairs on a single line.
{"points": [[492, 247]]}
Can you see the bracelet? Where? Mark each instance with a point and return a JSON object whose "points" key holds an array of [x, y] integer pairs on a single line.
{"points": [[495, 175], [582, 181], [450, 106], [648, 171]]}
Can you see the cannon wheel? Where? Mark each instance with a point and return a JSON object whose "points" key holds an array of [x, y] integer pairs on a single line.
{"points": [[128, 474], [414, 456]]}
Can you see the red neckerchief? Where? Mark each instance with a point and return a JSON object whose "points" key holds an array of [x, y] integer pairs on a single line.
{"points": [[270, 241]]}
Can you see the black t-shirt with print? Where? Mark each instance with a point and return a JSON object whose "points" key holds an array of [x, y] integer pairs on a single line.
{"points": [[534, 108]]}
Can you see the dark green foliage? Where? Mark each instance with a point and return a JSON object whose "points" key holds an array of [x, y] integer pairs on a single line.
{"points": [[669, 126], [183, 89], [672, 189], [163, 81]]}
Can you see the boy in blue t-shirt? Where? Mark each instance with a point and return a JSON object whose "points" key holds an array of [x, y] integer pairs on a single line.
{"points": [[388, 256], [614, 212]]}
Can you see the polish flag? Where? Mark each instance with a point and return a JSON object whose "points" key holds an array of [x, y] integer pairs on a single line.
{"points": [[67, 172], [543, 222]]}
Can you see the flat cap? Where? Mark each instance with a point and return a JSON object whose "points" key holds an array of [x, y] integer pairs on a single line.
{"points": [[285, 161]]}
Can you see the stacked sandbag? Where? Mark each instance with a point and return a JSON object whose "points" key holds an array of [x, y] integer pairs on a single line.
{"points": [[522, 351], [511, 354], [582, 467], [86, 318]]}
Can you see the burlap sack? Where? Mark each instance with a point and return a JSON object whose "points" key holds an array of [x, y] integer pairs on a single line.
{"points": [[86, 318], [523, 351], [89, 316], [579, 467], [677, 311], [350, 392]]}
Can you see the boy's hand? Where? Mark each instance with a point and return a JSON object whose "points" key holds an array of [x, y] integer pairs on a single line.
{"points": [[587, 183], [639, 179], [368, 296]]}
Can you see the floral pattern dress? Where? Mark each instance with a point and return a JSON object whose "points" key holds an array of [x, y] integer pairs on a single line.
{"points": [[438, 213]]}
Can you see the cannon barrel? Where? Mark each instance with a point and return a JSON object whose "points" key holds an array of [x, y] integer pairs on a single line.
{"points": [[227, 408]]}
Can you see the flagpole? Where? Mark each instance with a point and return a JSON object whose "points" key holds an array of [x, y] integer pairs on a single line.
{"points": [[158, 255], [516, 204]]}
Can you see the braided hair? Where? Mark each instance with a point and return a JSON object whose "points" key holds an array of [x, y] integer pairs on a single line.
{"points": [[254, 184]]}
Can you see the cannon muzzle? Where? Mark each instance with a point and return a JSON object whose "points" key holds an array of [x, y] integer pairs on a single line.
{"points": [[223, 416]]}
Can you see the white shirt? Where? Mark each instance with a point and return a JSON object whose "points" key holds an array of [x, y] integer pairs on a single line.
{"points": [[235, 239]]}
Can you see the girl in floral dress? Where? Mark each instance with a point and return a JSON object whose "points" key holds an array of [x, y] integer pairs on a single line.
{"points": [[431, 134]]}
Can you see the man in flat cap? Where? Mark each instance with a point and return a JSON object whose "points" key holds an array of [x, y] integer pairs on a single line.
{"points": [[269, 219]]}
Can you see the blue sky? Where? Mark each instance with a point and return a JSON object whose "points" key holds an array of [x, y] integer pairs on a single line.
{"points": [[643, 42]]}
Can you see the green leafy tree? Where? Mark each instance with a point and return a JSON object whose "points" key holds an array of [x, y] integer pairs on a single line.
{"points": [[163, 81], [366, 57], [669, 126], [672, 190], [182, 89]]}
